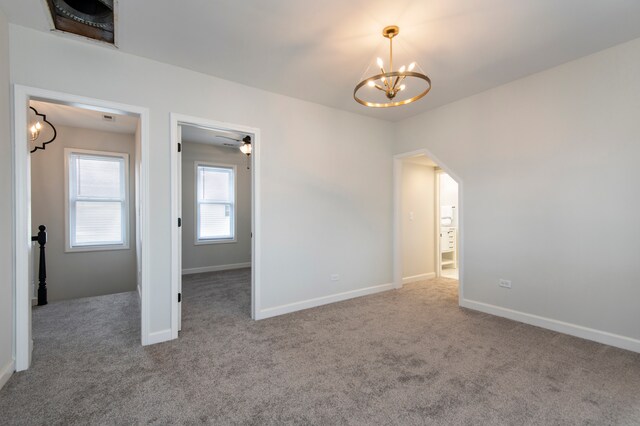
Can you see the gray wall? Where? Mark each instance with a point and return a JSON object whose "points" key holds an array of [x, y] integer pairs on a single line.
{"points": [[212, 255], [550, 195], [6, 215], [79, 274], [325, 175], [418, 234]]}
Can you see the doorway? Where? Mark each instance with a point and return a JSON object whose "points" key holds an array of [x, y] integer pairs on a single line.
{"points": [[25, 98], [215, 204], [447, 208], [428, 225]]}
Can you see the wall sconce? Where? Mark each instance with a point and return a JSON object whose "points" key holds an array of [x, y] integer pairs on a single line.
{"points": [[36, 130]]}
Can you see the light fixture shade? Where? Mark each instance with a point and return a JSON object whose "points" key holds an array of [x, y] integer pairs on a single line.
{"points": [[245, 148], [41, 131], [384, 88]]}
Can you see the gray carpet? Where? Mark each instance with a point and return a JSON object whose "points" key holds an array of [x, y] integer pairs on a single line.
{"points": [[402, 357]]}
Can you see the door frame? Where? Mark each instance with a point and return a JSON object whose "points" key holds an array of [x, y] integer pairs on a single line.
{"points": [[397, 217], [22, 209], [176, 120]]}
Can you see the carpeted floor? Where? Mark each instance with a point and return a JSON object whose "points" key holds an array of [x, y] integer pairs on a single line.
{"points": [[402, 357]]}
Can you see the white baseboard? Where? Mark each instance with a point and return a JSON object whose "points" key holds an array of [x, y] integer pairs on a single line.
{"points": [[319, 301], [599, 336], [421, 277], [216, 268], [158, 337], [6, 372]]}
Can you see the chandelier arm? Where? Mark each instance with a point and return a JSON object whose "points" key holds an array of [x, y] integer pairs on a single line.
{"points": [[399, 79], [392, 104], [382, 71]]}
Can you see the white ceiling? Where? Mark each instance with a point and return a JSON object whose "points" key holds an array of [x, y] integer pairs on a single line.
{"points": [[318, 50], [422, 160], [65, 115], [217, 137]]}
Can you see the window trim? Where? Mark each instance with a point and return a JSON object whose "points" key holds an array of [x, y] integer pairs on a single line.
{"points": [[67, 203], [198, 241]]}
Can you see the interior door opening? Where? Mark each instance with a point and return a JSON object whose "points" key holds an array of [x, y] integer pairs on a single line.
{"points": [[215, 215], [81, 190], [428, 225]]}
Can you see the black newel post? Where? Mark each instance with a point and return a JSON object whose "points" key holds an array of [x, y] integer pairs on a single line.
{"points": [[42, 269]]}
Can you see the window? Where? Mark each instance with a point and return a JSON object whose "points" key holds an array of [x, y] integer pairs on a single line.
{"points": [[215, 203], [97, 200]]}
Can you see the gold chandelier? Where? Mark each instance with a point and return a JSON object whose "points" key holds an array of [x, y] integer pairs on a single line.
{"points": [[392, 84]]}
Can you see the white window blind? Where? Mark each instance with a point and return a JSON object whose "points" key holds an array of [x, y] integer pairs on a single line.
{"points": [[215, 203], [97, 192]]}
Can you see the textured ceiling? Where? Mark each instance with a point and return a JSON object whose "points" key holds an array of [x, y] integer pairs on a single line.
{"points": [[317, 51]]}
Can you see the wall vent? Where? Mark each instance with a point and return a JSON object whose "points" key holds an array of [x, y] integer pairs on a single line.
{"points": [[88, 18]]}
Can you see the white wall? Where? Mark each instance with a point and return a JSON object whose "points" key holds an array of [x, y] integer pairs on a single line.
{"points": [[215, 255], [326, 174], [6, 215], [418, 222], [79, 274], [448, 190], [549, 168]]}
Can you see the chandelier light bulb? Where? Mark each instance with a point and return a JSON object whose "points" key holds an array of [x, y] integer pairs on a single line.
{"points": [[371, 83], [38, 126], [402, 69], [380, 63], [412, 65], [402, 87]]}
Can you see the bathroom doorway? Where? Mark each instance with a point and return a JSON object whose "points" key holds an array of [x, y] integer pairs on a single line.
{"points": [[447, 208]]}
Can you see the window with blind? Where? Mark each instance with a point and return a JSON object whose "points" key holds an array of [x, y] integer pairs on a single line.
{"points": [[97, 200], [215, 203]]}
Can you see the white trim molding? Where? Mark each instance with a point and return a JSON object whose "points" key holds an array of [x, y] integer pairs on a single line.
{"points": [[177, 120], [22, 209], [324, 300], [6, 372], [159, 336], [215, 268], [420, 277], [599, 336]]}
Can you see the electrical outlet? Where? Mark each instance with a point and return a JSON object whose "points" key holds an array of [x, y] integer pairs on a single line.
{"points": [[411, 215], [334, 277], [504, 283]]}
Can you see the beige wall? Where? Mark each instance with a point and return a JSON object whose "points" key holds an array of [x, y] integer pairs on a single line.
{"points": [[550, 194], [6, 215], [79, 274], [212, 255], [418, 221]]}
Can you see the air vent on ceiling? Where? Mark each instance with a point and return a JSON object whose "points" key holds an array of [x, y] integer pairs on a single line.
{"points": [[88, 18]]}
